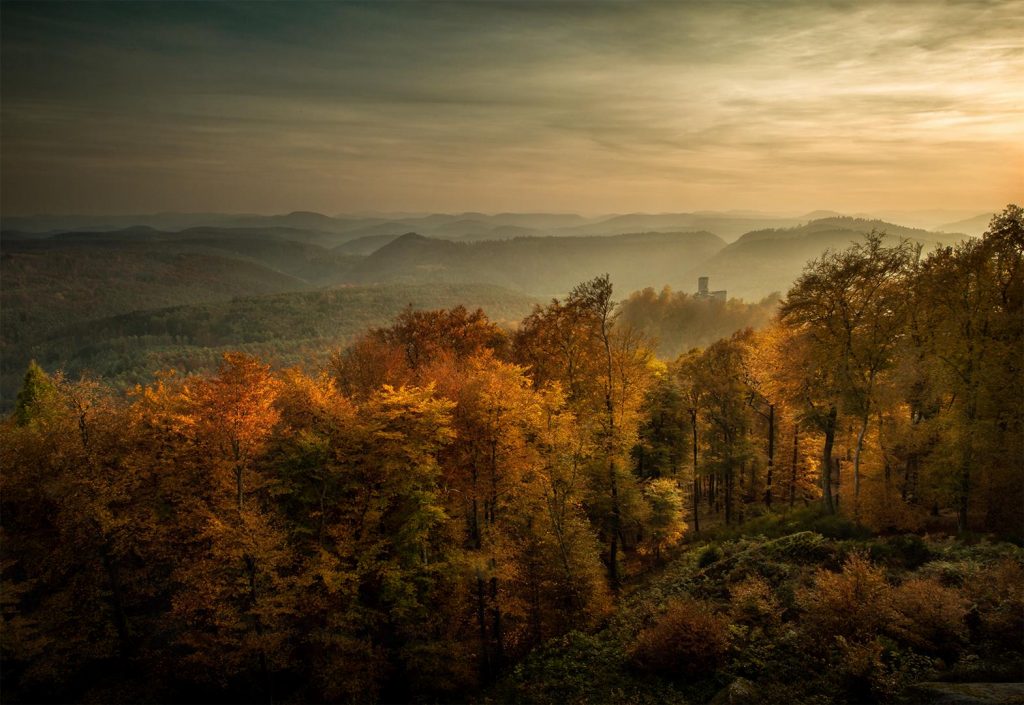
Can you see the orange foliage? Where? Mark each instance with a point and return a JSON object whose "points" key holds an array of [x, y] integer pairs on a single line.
{"points": [[687, 639], [855, 604], [932, 615]]}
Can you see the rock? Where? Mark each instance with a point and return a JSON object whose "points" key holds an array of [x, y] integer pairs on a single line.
{"points": [[967, 693]]}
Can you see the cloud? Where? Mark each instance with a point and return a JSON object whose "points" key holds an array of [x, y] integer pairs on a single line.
{"points": [[614, 106]]}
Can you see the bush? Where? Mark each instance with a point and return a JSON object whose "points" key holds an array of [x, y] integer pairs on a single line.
{"points": [[688, 639], [908, 551], [932, 616], [998, 595], [834, 526], [948, 573], [753, 603], [855, 604], [913, 550], [711, 554], [804, 547]]}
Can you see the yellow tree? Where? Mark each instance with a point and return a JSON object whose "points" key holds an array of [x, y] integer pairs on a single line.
{"points": [[232, 595], [973, 300], [850, 308], [791, 374], [605, 371]]}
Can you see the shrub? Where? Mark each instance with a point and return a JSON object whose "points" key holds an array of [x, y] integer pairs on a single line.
{"points": [[949, 573], [912, 549], [709, 555], [803, 547], [854, 604], [753, 603], [861, 667], [688, 639], [998, 594], [932, 616], [752, 564], [908, 551], [834, 526], [872, 671]]}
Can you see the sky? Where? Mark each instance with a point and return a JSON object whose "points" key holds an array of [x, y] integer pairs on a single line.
{"points": [[595, 107]]}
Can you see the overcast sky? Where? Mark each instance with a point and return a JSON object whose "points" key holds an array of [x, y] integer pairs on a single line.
{"points": [[591, 107]]}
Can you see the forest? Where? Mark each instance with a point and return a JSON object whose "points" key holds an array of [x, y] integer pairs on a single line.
{"points": [[824, 506]]}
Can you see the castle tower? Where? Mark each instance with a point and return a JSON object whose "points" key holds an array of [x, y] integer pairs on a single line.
{"points": [[702, 286]]}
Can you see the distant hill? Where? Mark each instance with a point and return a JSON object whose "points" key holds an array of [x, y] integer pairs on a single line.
{"points": [[51, 281], [144, 233], [312, 264], [541, 265], [296, 328], [296, 252], [725, 225], [338, 228], [303, 220], [764, 261], [364, 245], [975, 226], [839, 224], [48, 285], [139, 293], [158, 221]]}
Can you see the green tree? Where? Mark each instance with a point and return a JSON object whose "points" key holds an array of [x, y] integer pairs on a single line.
{"points": [[37, 390]]}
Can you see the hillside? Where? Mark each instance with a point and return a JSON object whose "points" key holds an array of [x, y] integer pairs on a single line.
{"points": [[972, 226], [824, 227], [766, 261], [365, 245], [48, 285], [785, 619], [296, 328], [547, 266], [726, 225]]}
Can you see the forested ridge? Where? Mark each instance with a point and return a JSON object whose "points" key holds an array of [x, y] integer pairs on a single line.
{"points": [[126, 302], [824, 508]]}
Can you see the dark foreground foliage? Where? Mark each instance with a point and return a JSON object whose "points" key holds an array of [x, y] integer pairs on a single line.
{"points": [[796, 619]]}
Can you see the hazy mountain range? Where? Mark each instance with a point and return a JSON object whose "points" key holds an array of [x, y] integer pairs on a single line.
{"points": [[468, 226], [60, 274]]}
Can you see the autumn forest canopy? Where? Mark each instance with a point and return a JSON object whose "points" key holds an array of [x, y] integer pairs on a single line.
{"points": [[460, 352], [616, 494]]}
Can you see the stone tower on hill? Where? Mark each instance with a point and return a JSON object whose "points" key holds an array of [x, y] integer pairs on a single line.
{"points": [[703, 293]]}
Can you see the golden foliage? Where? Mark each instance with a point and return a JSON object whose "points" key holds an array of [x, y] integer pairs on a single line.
{"points": [[855, 604], [931, 615], [688, 638], [753, 602]]}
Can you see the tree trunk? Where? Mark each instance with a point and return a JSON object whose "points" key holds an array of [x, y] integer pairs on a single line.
{"points": [[116, 602], [838, 464], [728, 495], [856, 465], [250, 567], [963, 498], [826, 460], [497, 637], [796, 459], [238, 484], [771, 458], [616, 528], [696, 477], [481, 621]]}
